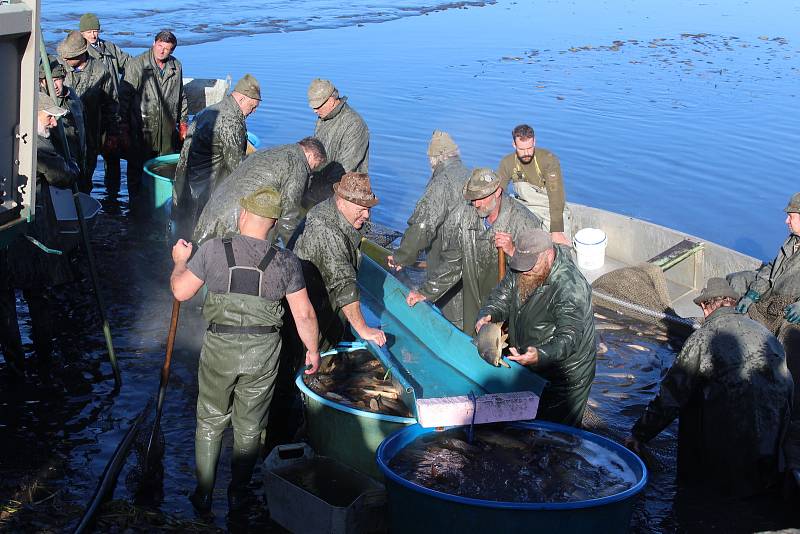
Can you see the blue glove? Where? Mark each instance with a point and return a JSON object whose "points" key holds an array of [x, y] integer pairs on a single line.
{"points": [[749, 298], [792, 313]]}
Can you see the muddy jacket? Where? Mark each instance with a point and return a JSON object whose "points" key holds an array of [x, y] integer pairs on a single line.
{"points": [[114, 58], [154, 103], [781, 276], [469, 254], [732, 391], [329, 249], [74, 128], [558, 320], [30, 266], [215, 145], [283, 168], [94, 84]]}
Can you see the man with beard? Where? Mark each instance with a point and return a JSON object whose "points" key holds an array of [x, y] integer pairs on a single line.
{"points": [[536, 174], [472, 233], [548, 305]]}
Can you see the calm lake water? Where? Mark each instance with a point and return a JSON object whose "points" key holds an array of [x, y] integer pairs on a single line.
{"points": [[681, 113]]}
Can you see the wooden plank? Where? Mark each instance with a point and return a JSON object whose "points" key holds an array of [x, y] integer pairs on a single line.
{"points": [[676, 254]]}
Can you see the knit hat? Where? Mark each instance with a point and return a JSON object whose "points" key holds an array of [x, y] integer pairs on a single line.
{"points": [[266, 202], [56, 69], [527, 249], [355, 187], [715, 287], [482, 183], [441, 143], [249, 86], [319, 91], [72, 46], [794, 204], [89, 21], [49, 106]]}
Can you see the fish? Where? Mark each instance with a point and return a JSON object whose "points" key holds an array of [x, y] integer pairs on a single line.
{"points": [[490, 342], [602, 348], [637, 347]]}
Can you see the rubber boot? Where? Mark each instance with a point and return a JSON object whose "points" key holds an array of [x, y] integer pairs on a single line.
{"points": [[112, 175], [206, 455], [39, 307], [243, 461], [10, 341]]}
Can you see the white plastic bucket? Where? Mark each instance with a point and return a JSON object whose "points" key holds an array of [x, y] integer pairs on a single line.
{"points": [[590, 246]]}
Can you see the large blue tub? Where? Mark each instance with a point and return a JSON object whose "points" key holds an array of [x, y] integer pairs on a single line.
{"points": [[414, 508]]}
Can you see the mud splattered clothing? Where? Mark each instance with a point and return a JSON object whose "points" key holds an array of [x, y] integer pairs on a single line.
{"points": [[544, 174], [442, 196], [732, 392], [557, 319], [214, 146], [74, 127], [114, 58], [469, 254]]}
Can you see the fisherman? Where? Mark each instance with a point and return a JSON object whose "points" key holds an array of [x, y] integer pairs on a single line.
{"points": [[153, 101], [35, 263], [215, 145], [775, 287], [472, 233], [442, 196], [285, 168], [536, 174], [115, 59], [96, 87], [732, 393], [329, 249], [548, 305], [343, 133], [73, 122], [246, 279]]}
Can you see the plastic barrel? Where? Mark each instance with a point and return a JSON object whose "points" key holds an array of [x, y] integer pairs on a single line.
{"points": [[414, 508], [346, 434]]}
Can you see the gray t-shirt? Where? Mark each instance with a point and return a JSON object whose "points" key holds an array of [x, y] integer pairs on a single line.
{"points": [[282, 276]]}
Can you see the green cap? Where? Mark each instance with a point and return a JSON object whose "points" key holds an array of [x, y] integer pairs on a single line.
{"points": [[266, 202], [715, 287], [72, 46], [482, 183], [319, 91], [441, 143], [89, 21], [249, 86], [56, 69], [794, 204]]}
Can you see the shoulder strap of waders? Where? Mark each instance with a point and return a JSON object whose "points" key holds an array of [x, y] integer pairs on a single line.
{"points": [[229, 252], [271, 251]]}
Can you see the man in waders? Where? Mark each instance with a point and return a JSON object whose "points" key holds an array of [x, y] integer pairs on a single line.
{"points": [[246, 279], [536, 175]]}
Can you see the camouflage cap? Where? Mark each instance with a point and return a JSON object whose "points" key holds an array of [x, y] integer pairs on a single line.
{"points": [[89, 21], [249, 86], [527, 249], [715, 287], [319, 91], [48, 105], [482, 183], [355, 187], [266, 202], [441, 143], [57, 70], [72, 46], [794, 204]]}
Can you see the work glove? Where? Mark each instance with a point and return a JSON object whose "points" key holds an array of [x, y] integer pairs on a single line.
{"points": [[792, 313], [747, 300], [74, 171], [183, 128]]}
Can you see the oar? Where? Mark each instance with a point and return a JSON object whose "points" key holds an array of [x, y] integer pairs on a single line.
{"points": [[162, 385], [82, 223]]}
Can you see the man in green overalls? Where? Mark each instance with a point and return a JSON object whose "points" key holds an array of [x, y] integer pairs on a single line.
{"points": [[246, 279]]}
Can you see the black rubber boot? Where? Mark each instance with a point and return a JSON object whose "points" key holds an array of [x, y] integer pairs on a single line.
{"points": [[242, 463], [10, 341], [206, 455]]}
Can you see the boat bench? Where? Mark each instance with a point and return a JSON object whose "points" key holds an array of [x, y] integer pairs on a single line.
{"points": [[676, 254], [685, 277]]}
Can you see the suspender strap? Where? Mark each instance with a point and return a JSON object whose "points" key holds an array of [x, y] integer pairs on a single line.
{"points": [[271, 251], [229, 252]]}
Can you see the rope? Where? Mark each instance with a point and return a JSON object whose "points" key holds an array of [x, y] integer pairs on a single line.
{"points": [[647, 311]]}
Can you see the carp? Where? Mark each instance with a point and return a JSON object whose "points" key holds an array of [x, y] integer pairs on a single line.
{"points": [[490, 342]]}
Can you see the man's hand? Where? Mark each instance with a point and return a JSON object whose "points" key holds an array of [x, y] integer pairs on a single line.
{"points": [[415, 296], [531, 357], [792, 313], [312, 360], [560, 238], [633, 444], [183, 129], [502, 240], [181, 252], [392, 265], [373, 334], [482, 321]]}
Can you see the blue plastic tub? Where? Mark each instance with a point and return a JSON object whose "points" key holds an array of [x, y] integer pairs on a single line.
{"points": [[414, 508]]}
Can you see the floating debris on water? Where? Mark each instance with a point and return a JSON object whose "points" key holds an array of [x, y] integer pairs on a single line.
{"points": [[513, 465]]}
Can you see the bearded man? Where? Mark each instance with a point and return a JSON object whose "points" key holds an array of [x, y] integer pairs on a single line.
{"points": [[548, 305]]}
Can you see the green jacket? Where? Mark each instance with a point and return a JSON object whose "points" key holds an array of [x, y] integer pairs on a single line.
{"points": [[781, 276], [74, 128], [283, 168], [214, 146], [732, 391], [114, 58], [94, 84], [544, 173], [469, 254], [558, 320], [154, 104]]}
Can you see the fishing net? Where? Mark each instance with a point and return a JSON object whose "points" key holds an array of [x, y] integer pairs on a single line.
{"points": [[770, 311], [643, 285]]}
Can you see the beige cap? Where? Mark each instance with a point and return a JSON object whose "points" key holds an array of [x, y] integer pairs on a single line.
{"points": [[49, 106], [72, 46], [441, 143], [482, 183], [266, 202], [319, 91], [249, 86], [355, 187]]}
